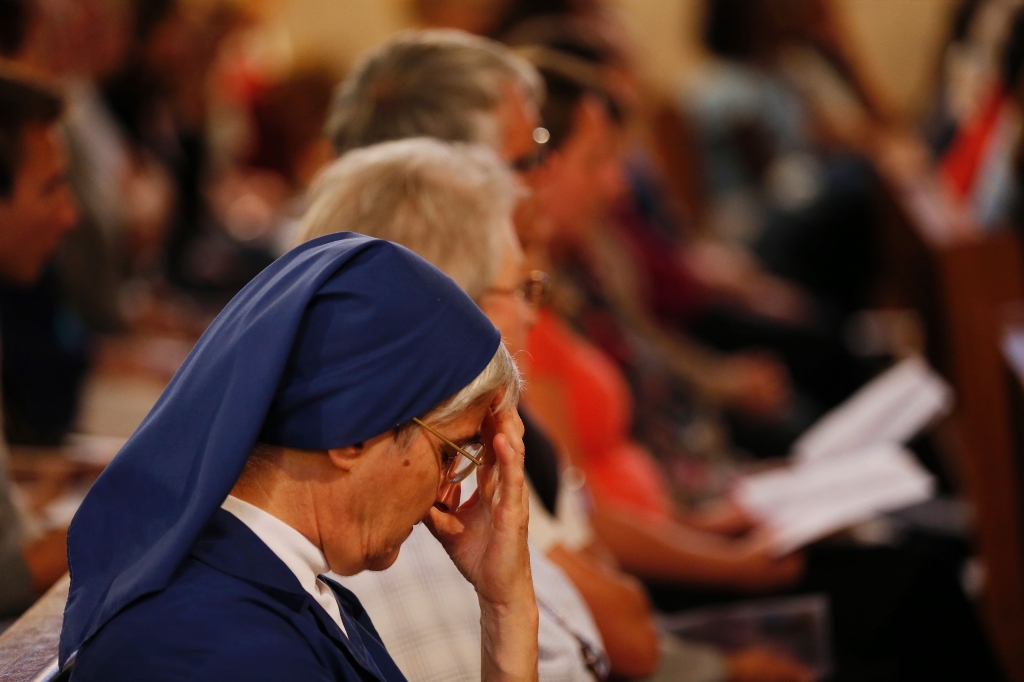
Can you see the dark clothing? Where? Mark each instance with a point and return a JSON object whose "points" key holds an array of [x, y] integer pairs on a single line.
{"points": [[341, 339], [45, 357], [898, 614], [813, 351], [820, 366], [234, 611], [829, 247], [541, 462]]}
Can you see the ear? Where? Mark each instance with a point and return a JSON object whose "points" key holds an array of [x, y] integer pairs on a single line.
{"points": [[345, 458]]}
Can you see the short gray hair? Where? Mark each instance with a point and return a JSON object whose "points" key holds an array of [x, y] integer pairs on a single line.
{"points": [[437, 83], [450, 203], [501, 374]]}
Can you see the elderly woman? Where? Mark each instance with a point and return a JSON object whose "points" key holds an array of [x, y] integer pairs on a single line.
{"points": [[451, 204], [316, 422]]}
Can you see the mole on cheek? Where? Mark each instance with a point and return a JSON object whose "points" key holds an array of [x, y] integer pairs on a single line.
{"points": [[405, 463]]}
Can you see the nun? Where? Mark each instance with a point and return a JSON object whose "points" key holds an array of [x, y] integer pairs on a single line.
{"points": [[338, 400]]}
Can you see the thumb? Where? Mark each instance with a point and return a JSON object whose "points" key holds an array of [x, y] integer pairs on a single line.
{"points": [[441, 524]]}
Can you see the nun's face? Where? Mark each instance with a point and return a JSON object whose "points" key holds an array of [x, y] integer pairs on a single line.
{"points": [[390, 490]]}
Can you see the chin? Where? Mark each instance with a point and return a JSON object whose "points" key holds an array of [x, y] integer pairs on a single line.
{"points": [[385, 558], [381, 562]]}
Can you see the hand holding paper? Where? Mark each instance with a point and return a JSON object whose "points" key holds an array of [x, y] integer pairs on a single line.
{"points": [[851, 466]]}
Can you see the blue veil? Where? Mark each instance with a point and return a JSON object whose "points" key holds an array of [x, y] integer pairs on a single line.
{"points": [[338, 341]]}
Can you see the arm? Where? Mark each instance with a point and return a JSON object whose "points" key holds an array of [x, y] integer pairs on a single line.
{"points": [[661, 549], [671, 552], [486, 540], [753, 382], [620, 610]]}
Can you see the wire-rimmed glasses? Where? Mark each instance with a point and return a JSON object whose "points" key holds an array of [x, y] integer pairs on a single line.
{"points": [[457, 464], [535, 289]]}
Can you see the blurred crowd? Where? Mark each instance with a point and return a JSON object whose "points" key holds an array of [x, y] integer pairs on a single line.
{"points": [[683, 280]]}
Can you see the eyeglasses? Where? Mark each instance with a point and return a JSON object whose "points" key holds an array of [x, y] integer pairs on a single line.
{"points": [[455, 468], [535, 290]]}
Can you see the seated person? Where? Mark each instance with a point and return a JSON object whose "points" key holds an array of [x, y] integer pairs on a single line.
{"points": [[309, 430], [612, 265], [36, 211], [656, 541], [475, 70], [461, 88], [782, 174], [470, 185]]}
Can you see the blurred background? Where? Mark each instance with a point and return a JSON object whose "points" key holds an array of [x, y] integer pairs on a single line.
{"points": [[807, 192]]}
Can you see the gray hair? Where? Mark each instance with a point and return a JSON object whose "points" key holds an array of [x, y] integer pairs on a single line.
{"points": [[501, 374], [438, 83], [450, 203]]}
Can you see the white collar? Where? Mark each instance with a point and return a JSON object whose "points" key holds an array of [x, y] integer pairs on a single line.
{"points": [[301, 556]]}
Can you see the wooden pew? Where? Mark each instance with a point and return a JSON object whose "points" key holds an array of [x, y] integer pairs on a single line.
{"points": [[28, 649], [960, 280]]}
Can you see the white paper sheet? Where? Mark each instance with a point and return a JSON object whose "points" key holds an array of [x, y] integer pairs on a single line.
{"points": [[892, 408], [809, 500]]}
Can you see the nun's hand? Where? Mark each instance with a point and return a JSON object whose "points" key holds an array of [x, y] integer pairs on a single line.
{"points": [[486, 539]]}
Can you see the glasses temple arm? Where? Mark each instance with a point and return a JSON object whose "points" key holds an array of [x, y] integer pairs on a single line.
{"points": [[475, 460]]}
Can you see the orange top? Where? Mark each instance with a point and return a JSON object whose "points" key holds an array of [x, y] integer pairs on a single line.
{"points": [[599, 409]]}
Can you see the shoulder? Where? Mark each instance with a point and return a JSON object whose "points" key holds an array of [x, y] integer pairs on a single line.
{"points": [[204, 626]]}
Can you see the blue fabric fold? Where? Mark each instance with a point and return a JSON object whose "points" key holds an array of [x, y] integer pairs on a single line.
{"points": [[338, 341]]}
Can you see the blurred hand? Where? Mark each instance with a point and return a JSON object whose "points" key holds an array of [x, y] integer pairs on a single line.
{"points": [[777, 300], [757, 384], [486, 537], [721, 268], [47, 558], [737, 276], [756, 568], [722, 517], [762, 665]]}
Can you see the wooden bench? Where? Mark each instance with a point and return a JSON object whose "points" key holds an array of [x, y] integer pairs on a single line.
{"points": [[960, 279], [28, 649]]}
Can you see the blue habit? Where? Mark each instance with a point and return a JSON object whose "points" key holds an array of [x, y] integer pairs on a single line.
{"points": [[340, 340], [235, 612]]}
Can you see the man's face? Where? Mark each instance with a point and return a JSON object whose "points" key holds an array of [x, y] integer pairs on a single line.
{"points": [[518, 118], [41, 209], [580, 181], [394, 488]]}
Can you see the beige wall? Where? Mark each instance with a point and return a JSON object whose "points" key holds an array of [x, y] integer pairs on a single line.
{"points": [[896, 40], [337, 31], [899, 43]]}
